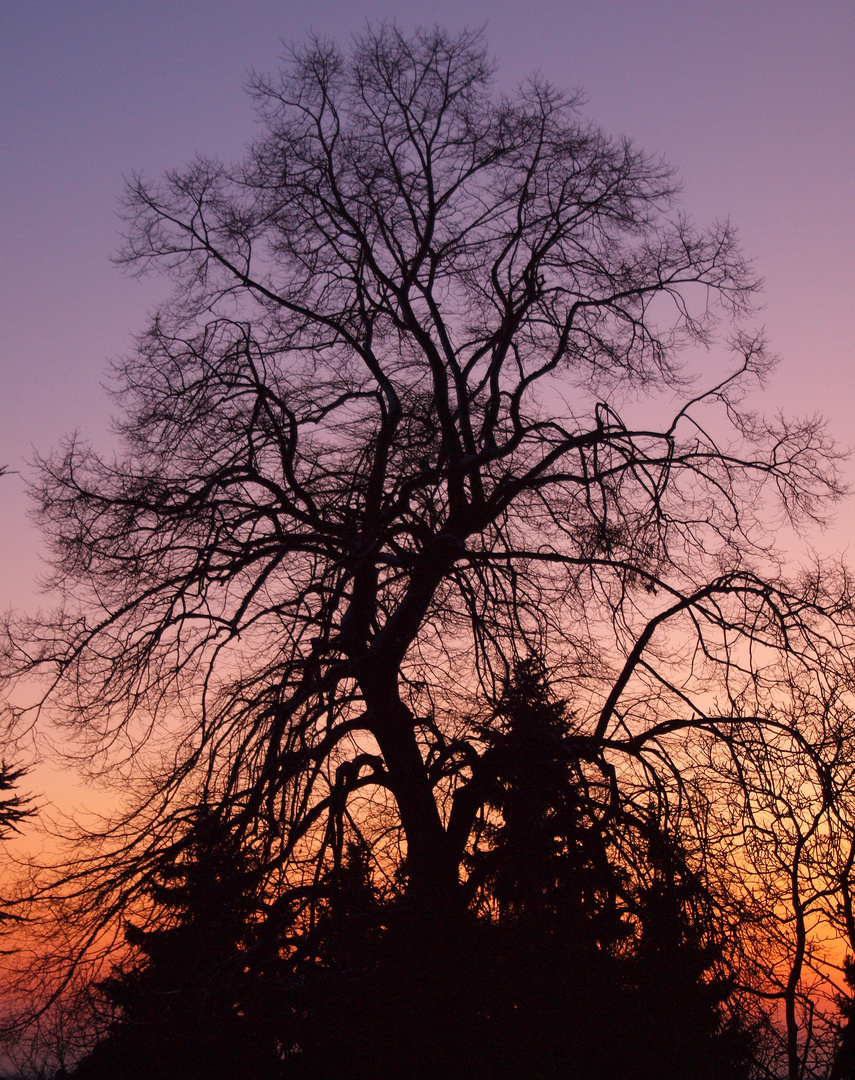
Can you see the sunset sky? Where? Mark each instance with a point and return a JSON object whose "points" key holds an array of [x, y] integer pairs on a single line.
{"points": [[686, 670], [754, 102]]}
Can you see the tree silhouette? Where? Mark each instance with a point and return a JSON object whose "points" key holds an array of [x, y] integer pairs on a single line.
{"points": [[384, 439], [563, 948], [549, 857], [339, 1010], [844, 1061], [178, 996], [590, 945], [13, 807]]}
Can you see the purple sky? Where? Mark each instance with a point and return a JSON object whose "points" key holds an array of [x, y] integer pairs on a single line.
{"points": [[753, 100]]}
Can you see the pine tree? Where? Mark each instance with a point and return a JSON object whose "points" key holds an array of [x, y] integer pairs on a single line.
{"points": [[549, 858], [676, 993], [600, 969], [541, 868], [13, 808], [340, 1009], [179, 995], [844, 1060]]}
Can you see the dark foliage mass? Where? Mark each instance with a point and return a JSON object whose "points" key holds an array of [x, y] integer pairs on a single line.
{"points": [[14, 808], [582, 969], [176, 997], [446, 421]]}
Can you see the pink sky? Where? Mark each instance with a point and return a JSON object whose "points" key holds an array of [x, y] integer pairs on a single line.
{"points": [[753, 101]]}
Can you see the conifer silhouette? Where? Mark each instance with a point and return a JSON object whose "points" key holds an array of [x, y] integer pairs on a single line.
{"points": [[179, 995]]}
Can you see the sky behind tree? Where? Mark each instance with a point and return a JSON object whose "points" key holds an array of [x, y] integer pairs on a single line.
{"points": [[753, 103]]}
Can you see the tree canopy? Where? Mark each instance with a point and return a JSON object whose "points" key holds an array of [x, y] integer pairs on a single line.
{"points": [[447, 381]]}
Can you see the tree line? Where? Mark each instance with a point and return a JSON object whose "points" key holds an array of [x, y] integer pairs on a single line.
{"points": [[573, 961], [431, 620]]}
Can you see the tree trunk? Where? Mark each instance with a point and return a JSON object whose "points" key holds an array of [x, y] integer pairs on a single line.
{"points": [[432, 872]]}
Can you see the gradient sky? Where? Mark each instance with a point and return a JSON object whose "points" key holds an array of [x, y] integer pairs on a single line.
{"points": [[753, 101]]}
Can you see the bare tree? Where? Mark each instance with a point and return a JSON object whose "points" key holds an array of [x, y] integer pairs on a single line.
{"points": [[380, 442]]}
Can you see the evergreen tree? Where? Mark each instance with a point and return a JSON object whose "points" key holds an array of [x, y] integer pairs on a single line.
{"points": [[339, 1016], [549, 858], [675, 991], [844, 1061], [179, 997], [570, 965], [600, 969], [13, 808]]}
